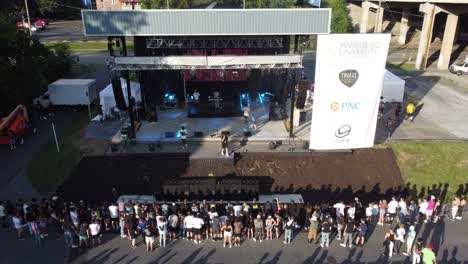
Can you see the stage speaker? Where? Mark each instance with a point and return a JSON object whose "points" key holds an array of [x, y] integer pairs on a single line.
{"points": [[247, 133], [114, 148], [169, 134], [272, 145], [227, 133], [118, 94], [198, 134], [305, 145], [151, 147], [302, 94]]}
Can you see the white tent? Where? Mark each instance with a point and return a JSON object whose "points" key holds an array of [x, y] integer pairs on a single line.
{"points": [[393, 88], [107, 100]]}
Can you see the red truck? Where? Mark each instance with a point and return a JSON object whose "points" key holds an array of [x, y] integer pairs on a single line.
{"points": [[16, 125]]}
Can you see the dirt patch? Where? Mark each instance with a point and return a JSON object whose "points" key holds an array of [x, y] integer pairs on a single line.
{"points": [[372, 172], [462, 163]]}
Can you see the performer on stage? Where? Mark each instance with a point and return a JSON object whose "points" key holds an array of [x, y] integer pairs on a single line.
{"points": [[196, 96], [246, 110], [225, 145]]}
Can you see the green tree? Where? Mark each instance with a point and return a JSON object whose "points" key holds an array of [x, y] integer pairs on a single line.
{"points": [[47, 7], [340, 20]]}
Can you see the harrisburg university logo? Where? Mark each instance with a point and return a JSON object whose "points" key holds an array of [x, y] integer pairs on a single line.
{"points": [[343, 131], [348, 77]]}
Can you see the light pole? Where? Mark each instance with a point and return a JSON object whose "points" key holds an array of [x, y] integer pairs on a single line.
{"points": [[27, 15], [167, 4]]}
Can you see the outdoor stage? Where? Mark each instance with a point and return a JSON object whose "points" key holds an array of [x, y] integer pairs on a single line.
{"points": [[171, 121]]}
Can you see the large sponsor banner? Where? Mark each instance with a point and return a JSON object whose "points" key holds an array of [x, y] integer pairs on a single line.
{"points": [[348, 81]]}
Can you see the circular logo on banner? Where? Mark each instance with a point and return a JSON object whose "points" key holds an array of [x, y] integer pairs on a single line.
{"points": [[348, 77], [343, 131], [335, 106]]}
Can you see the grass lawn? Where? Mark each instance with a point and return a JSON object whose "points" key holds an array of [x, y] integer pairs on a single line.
{"points": [[48, 169], [426, 164], [404, 66], [88, 46]]}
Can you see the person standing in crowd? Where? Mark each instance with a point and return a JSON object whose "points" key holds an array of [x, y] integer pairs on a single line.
{"points": [[348, 233], [227, 232], [454, 209], [225, 145], [237, 226], [409, 240], [162, 229], [389, 243], [17, 223], [417, 251], [183, 136], [37, 233], [312, 235], [83, 234], [422, 210], [94, 230], [403, 210], [461, 207], [197, 224], [149, 238], [428, 255], [410, 112], [122, 225], [382, 211], [250, 227], [389, 127], [381, 107], [392, 210], [398, 112], [269, 224], [326, 229], [258, 223], [173, 225], [68, 233], [278, 225], [400, 238], [288, 229], [188, 225], [362, 231], [132, 232], [114, 215], [340, 222]]}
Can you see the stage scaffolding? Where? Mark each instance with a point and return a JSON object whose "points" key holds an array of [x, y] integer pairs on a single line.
{"points": [[214, 43]]}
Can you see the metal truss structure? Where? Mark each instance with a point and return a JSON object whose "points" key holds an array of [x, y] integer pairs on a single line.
{"points": [[141, 67], [218, 42]]}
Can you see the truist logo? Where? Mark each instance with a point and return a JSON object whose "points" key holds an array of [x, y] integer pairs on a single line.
{"points": [[343, 131], [348, 77]]}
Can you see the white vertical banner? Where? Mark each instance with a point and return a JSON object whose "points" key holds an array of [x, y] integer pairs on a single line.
{"points": [[348, 81]]}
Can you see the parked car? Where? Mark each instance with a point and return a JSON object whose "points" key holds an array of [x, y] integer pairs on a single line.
{"points": [[41, 23], [25, 25], [460, 68]]}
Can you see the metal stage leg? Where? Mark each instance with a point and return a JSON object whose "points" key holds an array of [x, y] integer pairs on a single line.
{"points": [[293, 95], [129, 94]]}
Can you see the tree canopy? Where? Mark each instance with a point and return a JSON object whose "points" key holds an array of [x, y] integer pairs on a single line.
{"points": [[26, 66]]}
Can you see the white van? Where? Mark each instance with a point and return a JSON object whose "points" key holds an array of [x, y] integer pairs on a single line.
{"points": [[460, 68]]}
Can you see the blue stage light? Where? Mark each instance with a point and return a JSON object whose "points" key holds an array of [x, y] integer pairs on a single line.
{"points": [[243, 96], [171, 97]]}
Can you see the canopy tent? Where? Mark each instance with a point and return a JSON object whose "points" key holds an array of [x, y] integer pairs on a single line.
{"points": [[107, 99], [393, 89]]}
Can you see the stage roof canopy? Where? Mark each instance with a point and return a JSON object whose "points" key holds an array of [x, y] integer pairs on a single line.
{"points": [[206, 62], [207, 22]]}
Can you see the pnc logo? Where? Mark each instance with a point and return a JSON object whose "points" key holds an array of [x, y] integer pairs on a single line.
{"points": [[345, 106]]}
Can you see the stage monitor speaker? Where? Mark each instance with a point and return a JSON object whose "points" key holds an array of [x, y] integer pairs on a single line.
{"points": [[118, 94], [114, 148], [305, 145], [272, 145], [247, 133], [198, 134], [302, 94], [169, 134], [227, 133]]}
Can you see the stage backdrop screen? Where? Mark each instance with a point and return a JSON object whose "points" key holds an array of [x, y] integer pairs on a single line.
{"points": [[348, 81]]}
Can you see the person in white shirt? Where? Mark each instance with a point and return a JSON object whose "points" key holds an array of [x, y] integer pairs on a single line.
{"points": [[401, 232], [162, 228], [188, 225], [369, 212], [351, 211], [74, 217], [18, 226], [173, 224], [196, 96], [391, 209], [114, 215], [339, 207], [197, 223], [422, 209], [94, 229], [183, 136], [237, 210], [403, 210]]}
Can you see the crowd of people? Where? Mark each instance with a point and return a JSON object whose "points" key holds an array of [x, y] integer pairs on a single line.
{"points": [[82, 224]]}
